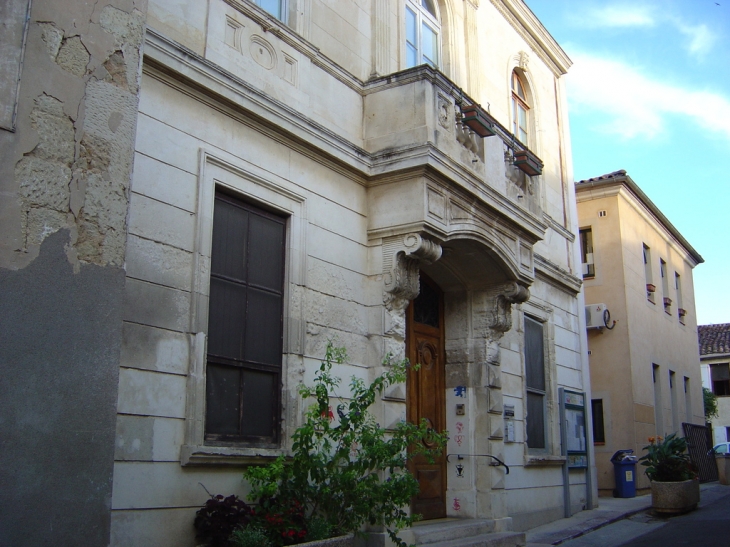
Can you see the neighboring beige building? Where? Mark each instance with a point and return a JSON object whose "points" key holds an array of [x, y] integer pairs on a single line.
{"points": [[644, 375], [715, 366], [201, 193]]}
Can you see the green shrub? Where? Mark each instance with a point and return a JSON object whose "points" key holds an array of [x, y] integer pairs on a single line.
{"points": [[354, 472], [251, 536]]}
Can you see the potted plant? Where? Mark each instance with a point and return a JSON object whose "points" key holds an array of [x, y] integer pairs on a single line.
{"points": [[650, 287], [674, 485], [345, 470]]}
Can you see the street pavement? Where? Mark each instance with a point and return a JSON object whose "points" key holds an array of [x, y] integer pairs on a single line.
{"points": [[630, 523]]}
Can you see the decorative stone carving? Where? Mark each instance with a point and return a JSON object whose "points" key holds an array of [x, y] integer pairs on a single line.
{"points": [[444, 113], [402, 257], [262, 52], [500, 316], [523, 59]]}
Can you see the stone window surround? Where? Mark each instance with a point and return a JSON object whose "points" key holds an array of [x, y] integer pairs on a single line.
{"points": [[551, 454], [220, 170]]}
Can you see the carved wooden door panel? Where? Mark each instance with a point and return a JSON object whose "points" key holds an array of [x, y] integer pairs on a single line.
{"points": [[425, 393]]}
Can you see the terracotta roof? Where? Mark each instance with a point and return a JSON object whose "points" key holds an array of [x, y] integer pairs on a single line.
{"points": [[714, 338], [619, 173]]}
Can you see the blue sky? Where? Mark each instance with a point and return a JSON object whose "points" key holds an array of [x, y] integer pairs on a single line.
{"points": [[649, 92]]}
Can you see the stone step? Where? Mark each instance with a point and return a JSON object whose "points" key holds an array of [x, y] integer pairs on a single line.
{"points": [[463, 533], [494, 539]]}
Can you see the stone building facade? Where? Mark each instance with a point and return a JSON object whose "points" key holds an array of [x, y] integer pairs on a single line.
{"points": [[643, 358], [304, 171]]}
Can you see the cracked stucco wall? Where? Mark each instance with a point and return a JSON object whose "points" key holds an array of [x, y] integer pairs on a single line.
{"points": [[68, 164], [65, 173]]}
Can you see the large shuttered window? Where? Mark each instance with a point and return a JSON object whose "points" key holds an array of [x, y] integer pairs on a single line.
{"points": [[245, 317], [535, 383]]}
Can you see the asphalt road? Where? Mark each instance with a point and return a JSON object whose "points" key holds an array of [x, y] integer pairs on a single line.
{"points": [[708, 526]]}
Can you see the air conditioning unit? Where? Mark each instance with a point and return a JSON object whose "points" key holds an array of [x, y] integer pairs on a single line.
{"points": [[597, 316]]}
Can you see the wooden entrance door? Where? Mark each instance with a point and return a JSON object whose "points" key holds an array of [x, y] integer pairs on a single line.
{"points": [[425, 392]]}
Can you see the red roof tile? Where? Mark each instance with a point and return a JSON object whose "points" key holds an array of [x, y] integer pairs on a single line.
{"points": [[714, 338]]}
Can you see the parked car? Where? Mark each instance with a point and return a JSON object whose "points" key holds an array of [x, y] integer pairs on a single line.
{"points": [[722, 448]]}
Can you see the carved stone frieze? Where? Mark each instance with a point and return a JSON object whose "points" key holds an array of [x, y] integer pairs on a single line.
{"points": [[402, 258]]}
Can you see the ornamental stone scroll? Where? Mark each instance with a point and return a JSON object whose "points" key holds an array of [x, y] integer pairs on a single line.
{"points": [[402, 257]]}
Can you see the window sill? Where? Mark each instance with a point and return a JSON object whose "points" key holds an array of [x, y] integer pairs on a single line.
{"points": [[544, 460], [599, 444], [226, 455]]}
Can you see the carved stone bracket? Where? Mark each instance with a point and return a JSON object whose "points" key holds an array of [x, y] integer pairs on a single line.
{"points": [[402, 258], [499, 318]]}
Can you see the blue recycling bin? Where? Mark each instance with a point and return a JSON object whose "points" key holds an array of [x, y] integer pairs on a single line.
{"points": [[624, 471]]}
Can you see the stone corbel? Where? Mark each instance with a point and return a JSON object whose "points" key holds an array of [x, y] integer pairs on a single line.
{"points": [[500, 315], [402, 257]]}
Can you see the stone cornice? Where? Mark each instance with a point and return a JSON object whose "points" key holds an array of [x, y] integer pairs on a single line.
{"points": [[556, 276], [272, 25], [534, 33], [193, 75]]}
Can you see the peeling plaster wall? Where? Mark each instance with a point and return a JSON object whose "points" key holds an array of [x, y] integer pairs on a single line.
{"points": [[64, 198]]}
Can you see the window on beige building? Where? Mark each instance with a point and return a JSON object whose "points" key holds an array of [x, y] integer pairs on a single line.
{"points": [[681, 312], [520, 108], [687, 400], [422, 33], [658, 413], [244, 350], [650, 287], [673, 401], [599, 432], [666, 299], [586, 252], [720, 375]]}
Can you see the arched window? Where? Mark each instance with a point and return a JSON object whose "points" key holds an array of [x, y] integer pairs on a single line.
{"points": [[520, 108], [422, 33]]}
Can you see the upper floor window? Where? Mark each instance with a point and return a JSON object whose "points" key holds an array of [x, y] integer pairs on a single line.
{"points": [[520, 108], [422, 33], [650, 287], [586, 252], [274, 7], [720, 376]]}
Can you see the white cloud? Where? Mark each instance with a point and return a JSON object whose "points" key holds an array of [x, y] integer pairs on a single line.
{"points": [[701, 38], [615, 16], [634, 105]]}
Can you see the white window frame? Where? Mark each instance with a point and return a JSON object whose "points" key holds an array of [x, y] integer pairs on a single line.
{"points": [[520, 104], [283, 9], [423, 17]]}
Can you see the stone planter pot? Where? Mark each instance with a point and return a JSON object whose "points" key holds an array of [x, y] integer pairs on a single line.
{"points": [[723, 468], [675, 497]]}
